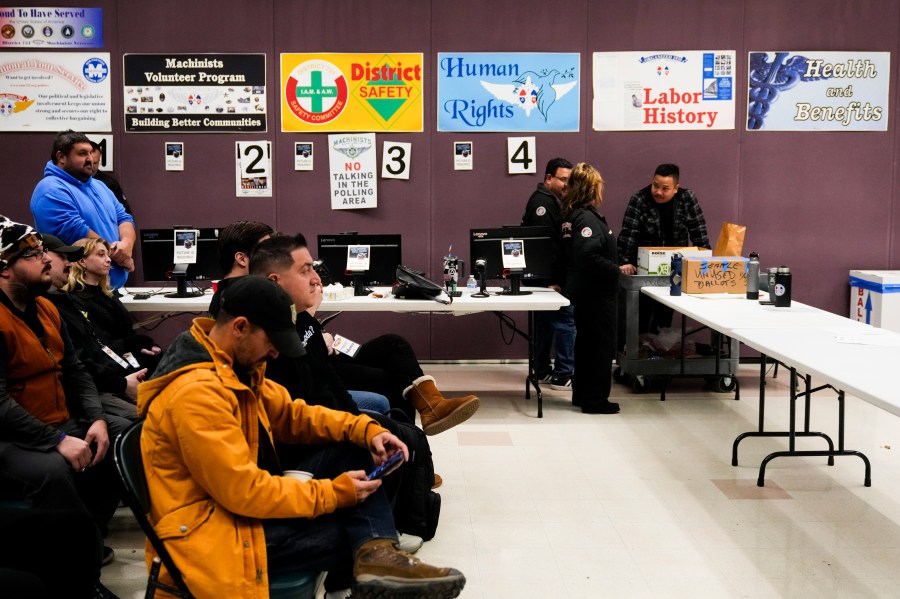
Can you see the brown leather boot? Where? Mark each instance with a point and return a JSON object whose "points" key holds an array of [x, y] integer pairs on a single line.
{"points": [[437, 412], [382, 570]]}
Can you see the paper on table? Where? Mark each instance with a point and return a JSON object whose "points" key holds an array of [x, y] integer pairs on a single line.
{"points": [[880, 340]]}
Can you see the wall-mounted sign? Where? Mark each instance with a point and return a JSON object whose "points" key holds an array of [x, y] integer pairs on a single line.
{"points": [[253, 168], [54, 91], [351, 92], [195, 93], [51, 27], [303, 156], [818, 91], [352, 169], [664, 91], [517, 91], [395, 159]]}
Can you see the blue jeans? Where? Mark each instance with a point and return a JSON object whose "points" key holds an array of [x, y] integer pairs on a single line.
{"points": [[330, 541], [561, 325], [368, 401]]}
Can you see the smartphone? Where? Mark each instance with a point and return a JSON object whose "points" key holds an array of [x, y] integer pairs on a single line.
{"points": [[386, 466]]}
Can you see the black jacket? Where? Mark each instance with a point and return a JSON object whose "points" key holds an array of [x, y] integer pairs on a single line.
{"points": [[591, 255]]}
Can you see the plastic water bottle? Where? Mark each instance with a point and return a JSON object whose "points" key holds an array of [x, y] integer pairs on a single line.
{"points": [[753, 277], [675, 275], [472, 284]]}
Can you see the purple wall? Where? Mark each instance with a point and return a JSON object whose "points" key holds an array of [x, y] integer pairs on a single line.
{"points": [[822, 203]]}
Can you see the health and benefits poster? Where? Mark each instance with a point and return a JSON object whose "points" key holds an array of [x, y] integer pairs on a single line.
{"points": [[664, 91], [352, 92]]}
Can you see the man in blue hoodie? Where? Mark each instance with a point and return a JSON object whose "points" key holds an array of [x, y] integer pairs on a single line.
{"points": [[70, 204]]}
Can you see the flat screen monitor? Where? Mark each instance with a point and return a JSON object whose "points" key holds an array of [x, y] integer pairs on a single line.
{"points": [[538, 244], [157, 255], [384, 257]]}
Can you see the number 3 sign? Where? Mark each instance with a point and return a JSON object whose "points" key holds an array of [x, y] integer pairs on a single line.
{"points": [[254, 168]]}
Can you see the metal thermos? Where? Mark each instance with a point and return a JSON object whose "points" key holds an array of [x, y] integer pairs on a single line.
{"points": [[771, 279], [783, 287], [753, 277], [675, 275]]}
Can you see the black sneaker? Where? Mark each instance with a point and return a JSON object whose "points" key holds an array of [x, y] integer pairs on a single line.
{"points": [[101, 592], [600, 407], [108, 556], [561, 383]]}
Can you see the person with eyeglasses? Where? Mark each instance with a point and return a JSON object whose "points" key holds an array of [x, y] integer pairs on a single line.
{"points": [[544, 209], [54, 435]]}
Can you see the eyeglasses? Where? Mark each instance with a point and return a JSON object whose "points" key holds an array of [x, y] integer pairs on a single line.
{"points": [[39, 253], [563, 180]]}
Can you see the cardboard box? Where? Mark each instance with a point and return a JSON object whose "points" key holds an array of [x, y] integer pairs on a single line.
{"points": [[875, 298], [720, 274], [657, 260]]}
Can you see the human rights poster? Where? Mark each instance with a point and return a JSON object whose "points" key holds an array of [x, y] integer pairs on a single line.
{"points": [[53, 91], [352, 92], [818, 91], [518, 91], [195, 93], [47, 27], [664, 91]]}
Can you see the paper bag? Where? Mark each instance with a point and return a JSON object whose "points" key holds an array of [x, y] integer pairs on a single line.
{"points": [[731, 240]]}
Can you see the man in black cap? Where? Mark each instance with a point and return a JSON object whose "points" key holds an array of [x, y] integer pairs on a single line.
{"points": [[218, 489], [54, 457], [107, 178]]}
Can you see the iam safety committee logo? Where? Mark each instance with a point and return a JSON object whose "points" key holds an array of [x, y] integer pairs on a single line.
{"points": [[95, 70], [316, 92]]}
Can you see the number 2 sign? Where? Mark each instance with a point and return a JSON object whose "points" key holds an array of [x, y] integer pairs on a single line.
{"points": [[253, 168]]}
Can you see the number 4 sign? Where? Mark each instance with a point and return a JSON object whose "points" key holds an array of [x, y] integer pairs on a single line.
{"points": [[254, 168], [521, 155]]}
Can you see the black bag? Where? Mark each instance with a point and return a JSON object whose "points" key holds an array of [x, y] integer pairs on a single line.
{"points": [[417, 508], [412, 284]]}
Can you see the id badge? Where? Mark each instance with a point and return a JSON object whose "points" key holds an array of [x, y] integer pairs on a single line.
{"points": [[116, 357], [131, 360]]}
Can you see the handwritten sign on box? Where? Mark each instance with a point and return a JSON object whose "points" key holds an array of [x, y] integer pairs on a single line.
{"points": [[720, 274]]}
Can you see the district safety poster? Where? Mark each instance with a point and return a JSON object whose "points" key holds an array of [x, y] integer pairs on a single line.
{"points": [[664, 91]]}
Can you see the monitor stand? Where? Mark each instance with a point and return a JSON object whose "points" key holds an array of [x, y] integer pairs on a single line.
{"points": [[515, 285], [359, 284], [180, 275]]}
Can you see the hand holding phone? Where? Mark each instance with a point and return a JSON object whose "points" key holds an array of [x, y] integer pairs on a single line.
{"points": [[386, 466]]}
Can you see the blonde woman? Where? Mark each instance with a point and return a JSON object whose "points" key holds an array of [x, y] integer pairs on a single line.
{"points": [[90, 289], [592, 284]]}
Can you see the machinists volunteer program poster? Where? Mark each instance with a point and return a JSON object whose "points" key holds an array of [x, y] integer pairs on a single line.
{"points": [[352, 92], [664, 91]]}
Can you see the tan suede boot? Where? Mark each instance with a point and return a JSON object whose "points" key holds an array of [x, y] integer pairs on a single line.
{"points": [[437, 412], [382, 570]]}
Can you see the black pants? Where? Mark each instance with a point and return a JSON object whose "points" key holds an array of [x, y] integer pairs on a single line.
{"points": [[595, 348], [385, 365]]}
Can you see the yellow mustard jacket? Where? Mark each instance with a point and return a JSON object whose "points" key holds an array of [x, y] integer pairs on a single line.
{"points": [[200, 444]]}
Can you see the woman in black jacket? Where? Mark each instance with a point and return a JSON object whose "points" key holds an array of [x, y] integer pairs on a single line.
{"points": [[592, 284]]}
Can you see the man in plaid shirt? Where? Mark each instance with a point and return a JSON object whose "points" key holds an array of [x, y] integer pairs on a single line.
{"points": [[661, 214]]}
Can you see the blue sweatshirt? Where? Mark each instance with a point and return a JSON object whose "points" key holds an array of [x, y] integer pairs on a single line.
{"points": [[66, 207]]}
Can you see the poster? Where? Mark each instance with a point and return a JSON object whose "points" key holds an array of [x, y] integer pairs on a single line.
{"points": [[253, 169], [352, 170], [195, 93], [50, 27], [818, 91], [664, 91], [517, 91], [303, 156], [54, 91], [351, 92]]}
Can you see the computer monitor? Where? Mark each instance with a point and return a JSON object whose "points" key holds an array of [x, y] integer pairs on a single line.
{"points": [[384, 257], [158, 253], [538, 244]]}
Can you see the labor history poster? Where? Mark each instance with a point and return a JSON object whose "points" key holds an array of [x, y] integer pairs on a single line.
{"points": [[513, 91], [47, 27], [195, 93], [352, 170], [53, 91], [818, 91], [352, 92], [664, 91]]}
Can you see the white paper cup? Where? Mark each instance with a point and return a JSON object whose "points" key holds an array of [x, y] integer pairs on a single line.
{"points": [[298, 474]]}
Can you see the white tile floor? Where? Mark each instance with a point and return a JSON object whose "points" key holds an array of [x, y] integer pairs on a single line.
{"points": [[645, 503]]}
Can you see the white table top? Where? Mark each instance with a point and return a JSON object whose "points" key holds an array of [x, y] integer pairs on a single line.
{"points": [[541, 298], [849, 355]]}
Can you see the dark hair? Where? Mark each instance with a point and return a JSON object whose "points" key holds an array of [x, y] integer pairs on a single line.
{"points": [[65, 141], [556, 164], [668, 170], [274, 254], [240, 236]]}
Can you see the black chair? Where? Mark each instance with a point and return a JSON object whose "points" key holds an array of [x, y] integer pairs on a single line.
{"points": [[127, 454]]}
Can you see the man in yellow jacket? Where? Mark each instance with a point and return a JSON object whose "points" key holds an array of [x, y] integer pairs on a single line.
{"points": [[219, 500]]}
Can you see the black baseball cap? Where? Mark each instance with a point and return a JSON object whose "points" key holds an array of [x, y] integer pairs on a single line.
{"points": [[265, 304], [73, 253]]}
